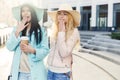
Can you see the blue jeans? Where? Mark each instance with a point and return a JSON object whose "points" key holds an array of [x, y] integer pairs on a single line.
{"points": [[24, 76], [57, 76]]}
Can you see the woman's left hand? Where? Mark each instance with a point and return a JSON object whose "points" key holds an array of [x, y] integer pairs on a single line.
{"points": [[27, 48], [61, 25]]}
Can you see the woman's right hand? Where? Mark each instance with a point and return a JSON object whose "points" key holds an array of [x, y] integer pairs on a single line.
{"points": [[21, 26]]}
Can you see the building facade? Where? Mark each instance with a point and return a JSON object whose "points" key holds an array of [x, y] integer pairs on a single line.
{"points": [[96, 15]]}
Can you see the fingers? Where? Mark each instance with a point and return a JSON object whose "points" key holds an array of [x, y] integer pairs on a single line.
{"points": [[26, 24], [22, 46], [61, 22], [61, 25], [22, 25]]}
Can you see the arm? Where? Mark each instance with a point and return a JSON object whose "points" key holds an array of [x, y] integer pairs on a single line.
{"points": [[65, 48], [13, 41]]}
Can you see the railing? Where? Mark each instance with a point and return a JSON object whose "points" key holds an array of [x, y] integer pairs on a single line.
{"points": [[4, 34]]}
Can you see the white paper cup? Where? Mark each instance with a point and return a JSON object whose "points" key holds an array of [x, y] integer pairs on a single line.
{"points": [[24, 39]]}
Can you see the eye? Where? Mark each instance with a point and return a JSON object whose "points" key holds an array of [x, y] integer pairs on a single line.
{"points": [[58, 13], [23, 10], [65, 13]]}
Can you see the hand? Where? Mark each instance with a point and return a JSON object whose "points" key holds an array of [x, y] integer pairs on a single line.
{"points": [[27, 48], [61, 25], [21, 26]]}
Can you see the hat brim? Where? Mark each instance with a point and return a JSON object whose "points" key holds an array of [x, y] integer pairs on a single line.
{"points": [[75, 15], [17, 11]]}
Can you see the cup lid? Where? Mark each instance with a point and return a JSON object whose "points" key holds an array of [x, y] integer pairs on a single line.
{"points": [[24, 38]]}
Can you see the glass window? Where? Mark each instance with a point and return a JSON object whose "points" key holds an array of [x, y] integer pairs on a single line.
{"points": [[102, 16]]}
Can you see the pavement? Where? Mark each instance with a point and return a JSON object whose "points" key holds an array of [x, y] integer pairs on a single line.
{"points": [[91, 67], [85, 66], [5, 63]]}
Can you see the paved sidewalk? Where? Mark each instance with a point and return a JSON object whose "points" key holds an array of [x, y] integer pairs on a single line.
{"points": [[85, 67], [5, 63], [90, 67]]}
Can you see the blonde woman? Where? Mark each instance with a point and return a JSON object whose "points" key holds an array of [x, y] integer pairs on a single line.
{"points": [[64, 39]]}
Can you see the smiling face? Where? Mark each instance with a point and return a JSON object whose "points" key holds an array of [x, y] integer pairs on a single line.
{"points": [[26, 14]]}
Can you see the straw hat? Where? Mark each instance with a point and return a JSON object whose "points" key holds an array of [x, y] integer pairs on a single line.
{"points": [[16, 12], [65, 7]]}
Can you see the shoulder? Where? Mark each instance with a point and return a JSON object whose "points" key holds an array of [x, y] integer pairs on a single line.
{"points": [[43, 31], [42, 28], [76, 31]]}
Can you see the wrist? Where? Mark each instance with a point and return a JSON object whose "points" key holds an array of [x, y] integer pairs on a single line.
{"points": [[33, 51], [16, 33]]}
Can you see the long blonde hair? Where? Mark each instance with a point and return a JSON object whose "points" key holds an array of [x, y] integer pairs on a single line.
{"points": [[69, 30]]}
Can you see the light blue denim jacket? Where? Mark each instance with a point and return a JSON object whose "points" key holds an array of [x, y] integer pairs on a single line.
{"points": [[37, 68]]}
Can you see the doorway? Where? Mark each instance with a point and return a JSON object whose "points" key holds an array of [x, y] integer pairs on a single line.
{"points": [[86, 18], [118, 20]]}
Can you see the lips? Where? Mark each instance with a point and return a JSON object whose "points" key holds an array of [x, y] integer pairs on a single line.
{"points": [[27, 17]]}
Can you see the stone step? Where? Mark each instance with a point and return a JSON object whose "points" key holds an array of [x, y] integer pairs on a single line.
{"points": [[106, 40], [116, 51], [101, 42], [113, 70], [100, 48], [83, 40], [89, 35], [85, 37], [104, 44], [93, 47], [103, 36], [103, 54], [94, 32]]}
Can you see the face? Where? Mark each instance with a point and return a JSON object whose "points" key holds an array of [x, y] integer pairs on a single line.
{"points": [[62, 15], [26, 14]]}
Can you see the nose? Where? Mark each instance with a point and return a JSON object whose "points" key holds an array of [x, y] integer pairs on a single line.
{"points": [[62, 16], [26, 13]]}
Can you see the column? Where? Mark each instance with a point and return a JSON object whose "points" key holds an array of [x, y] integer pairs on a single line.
{"points": [[78, 8], [110, 14], [93, 16]]}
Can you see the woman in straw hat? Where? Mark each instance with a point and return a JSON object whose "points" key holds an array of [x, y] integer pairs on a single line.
{"points": [[28, 58], [64, 39]]}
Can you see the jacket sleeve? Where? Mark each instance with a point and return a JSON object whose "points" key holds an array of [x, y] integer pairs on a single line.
{"points": [[65, 48], [12, 41], [43, 49]]}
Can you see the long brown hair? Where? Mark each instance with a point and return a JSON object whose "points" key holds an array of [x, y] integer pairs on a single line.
{"points": [[35, 27]]}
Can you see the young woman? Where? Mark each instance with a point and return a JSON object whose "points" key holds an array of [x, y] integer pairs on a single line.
{"points": [[64, 39], [28, 59]]}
